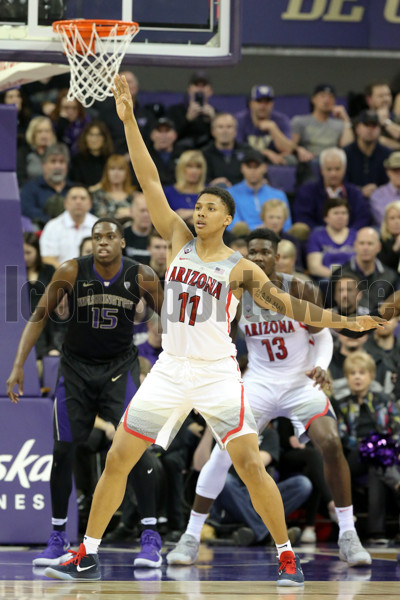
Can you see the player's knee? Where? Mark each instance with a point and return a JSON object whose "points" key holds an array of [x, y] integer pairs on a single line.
{"points": [[115, 462], [331, 447], [250, 468]]}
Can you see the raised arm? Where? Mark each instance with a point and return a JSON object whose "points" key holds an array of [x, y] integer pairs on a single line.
{"points": [[168, 224], [61, 282], [266, 295]]}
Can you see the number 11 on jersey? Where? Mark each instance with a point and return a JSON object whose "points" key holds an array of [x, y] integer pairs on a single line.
{"points": [[194, 300]]}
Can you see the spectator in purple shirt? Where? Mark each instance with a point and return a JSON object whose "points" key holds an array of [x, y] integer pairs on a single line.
{"points": [[332, 245], [311, 197], [385, 194], [264, 128]]}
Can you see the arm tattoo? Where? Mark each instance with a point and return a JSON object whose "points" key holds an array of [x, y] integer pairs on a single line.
{"points": [[271, 301]]}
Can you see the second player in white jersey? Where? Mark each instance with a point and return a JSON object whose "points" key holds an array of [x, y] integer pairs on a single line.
{"points": [[275, 344]]}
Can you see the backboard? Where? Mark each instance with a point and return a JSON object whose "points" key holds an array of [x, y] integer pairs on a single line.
{"points": [[172, 32]]}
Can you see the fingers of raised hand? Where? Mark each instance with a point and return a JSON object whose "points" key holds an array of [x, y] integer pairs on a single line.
{"points": [[118, 84], [380, 322], [374, 322]]}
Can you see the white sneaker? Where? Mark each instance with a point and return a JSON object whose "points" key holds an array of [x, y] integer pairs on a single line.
{"points": [[185, 552], [308, 536], [351, 550]]}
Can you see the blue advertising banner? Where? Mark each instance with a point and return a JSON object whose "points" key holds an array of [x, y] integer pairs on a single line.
{"points": [[26, 445], [361, 24]]}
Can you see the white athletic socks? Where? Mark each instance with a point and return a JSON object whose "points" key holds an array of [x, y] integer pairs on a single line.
{"points": [[345, 519], [58, 522], [151, 521], [91, 544], [195, 524], [287, 547]]}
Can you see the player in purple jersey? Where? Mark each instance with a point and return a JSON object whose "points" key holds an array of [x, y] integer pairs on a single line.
{"points": [[99, 367]]}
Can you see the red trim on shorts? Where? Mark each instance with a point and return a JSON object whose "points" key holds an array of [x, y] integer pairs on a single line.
{"points": [[241, 417], [236, 363], [228, 303], [320, 415], [135, 433]]}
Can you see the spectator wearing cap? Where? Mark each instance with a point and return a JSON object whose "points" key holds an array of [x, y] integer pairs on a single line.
{"points": [[264, 128], [253, 191], [378, 97], [164, 149], [193, 117], [365, 156], [328, 124], [308, 205], [43, 197], [224, 154], [385, 194]]}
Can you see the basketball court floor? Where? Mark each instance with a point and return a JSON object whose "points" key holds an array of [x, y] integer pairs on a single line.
{"points": [[222, 573]]}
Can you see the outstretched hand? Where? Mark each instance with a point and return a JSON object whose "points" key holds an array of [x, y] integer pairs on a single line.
{"points": [[16, 378], [366, 322], [320, 377], [123, 98]]}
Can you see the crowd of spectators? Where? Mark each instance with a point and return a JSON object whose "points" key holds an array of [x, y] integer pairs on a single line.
{"points": [[339, 228]]}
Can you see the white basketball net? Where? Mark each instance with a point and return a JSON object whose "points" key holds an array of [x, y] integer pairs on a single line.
{"points": [[93, 71]]}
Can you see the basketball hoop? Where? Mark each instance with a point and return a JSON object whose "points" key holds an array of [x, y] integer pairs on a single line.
{"points": [[95, 49]]}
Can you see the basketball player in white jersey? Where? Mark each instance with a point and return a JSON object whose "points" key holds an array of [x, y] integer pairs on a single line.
{"points": [[203, 286], [287, 365]]}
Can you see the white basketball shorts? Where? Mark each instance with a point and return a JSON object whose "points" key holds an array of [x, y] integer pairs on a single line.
{"points": [[296, 399], [175, 386]]}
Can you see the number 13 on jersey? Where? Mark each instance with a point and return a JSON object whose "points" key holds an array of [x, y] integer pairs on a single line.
{"points": [[275, 348]]}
